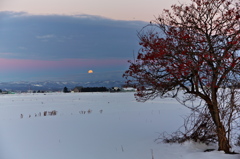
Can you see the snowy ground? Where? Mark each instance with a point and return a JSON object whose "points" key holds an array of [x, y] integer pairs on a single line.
{"points": [[92, 126]]}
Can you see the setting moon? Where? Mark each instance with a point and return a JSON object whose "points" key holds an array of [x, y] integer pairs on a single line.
{"points": [[90, 71]]}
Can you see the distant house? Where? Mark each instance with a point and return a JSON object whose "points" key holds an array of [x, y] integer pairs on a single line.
{"points": [[115, 89], [78, 89]]}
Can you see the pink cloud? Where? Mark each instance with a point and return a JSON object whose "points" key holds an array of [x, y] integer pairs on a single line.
{"points": [[16, 64]]}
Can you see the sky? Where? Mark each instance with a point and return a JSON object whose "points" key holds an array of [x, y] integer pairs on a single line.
{"points": [[61, 40]]}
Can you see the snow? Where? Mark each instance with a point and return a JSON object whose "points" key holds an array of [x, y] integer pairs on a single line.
{"points": [[129, 89], [93, 126]]}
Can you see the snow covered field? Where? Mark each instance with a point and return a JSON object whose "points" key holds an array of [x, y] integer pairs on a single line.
{"points": [[92, 126]]}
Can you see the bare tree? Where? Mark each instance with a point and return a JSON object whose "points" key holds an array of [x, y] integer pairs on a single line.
{"points": [[193, 49]]}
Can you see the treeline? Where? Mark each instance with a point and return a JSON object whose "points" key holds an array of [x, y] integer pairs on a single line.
{"points": [[91, 89], [94, 89]]}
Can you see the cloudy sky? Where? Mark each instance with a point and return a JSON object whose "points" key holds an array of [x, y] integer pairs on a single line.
{"points": [[61, 40]]}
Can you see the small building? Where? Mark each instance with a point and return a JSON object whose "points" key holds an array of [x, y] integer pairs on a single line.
{"points": [[115, 89], [78, 89]]}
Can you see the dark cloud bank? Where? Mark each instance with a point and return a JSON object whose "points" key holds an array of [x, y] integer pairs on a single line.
{"points": [[53, 37]]}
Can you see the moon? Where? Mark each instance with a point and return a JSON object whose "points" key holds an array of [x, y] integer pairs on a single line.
{"points": [[90, 71]]}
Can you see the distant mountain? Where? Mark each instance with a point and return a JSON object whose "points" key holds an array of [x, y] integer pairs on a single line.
{"points": [[54, 85]]}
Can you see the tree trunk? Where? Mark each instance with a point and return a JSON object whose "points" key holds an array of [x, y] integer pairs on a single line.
{"points": [[223, 141]]}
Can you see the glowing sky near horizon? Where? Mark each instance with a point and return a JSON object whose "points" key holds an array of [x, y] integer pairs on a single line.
{"points": [[19, 64]]}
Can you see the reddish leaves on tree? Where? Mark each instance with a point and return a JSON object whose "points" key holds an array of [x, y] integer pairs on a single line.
{"points": [[194, 47]]}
